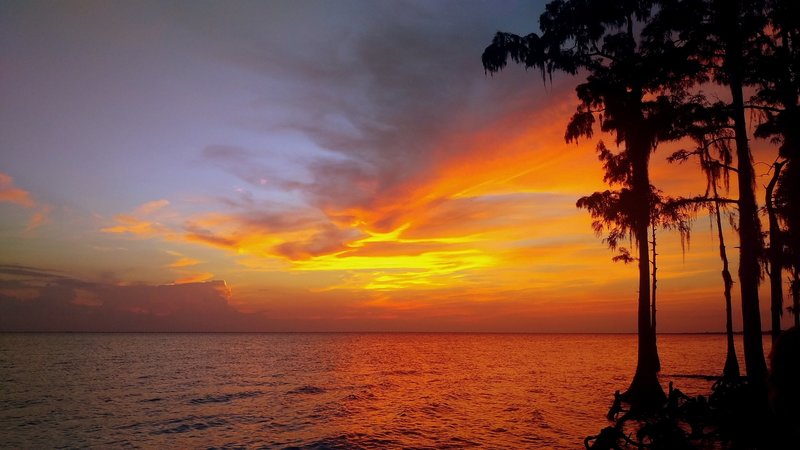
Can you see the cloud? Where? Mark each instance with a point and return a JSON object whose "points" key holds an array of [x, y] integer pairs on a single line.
{"points": [[206, 237], [68, 304], [40, 217], [12, 194], [183, 261], [402, 146], [15, 195], [127, 224], [181, 267], [389, 105], [327, 241], [30, 272], [16, 269], [141, 222], [387, 161], [151, 207], [243, 163], [195, 278]]}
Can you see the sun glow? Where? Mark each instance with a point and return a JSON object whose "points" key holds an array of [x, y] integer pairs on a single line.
{"points": [[408, 267]]}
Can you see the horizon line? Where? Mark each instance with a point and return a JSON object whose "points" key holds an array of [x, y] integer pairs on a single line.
{"points": [[766, 332]]}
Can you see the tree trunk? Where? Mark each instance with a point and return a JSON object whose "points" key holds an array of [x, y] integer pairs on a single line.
{"points": [[749, 225], [795, 286], [750, 245], [645, 390], [731, 369], [653, 301], [775, 255]]}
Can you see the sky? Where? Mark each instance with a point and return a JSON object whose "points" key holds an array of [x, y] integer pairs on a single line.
{"points": [[309, 166]]}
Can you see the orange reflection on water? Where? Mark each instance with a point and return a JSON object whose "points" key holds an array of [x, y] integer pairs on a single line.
{"points": [[350, 390]]}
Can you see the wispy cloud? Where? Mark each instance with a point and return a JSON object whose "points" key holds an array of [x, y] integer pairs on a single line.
{"points": [[39, 217], [12, 194], [183, 262], [185, 269], [135, 226], [9, 193], [149, 208], [141, 222]]}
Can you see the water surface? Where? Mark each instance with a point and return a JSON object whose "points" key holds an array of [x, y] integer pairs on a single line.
{"points": [[324, 390]]}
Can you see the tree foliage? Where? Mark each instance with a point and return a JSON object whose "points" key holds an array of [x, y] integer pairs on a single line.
{"points": [[644, 66]]}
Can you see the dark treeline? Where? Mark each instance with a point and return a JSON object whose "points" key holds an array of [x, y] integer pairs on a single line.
{"points": [[644, 68]]}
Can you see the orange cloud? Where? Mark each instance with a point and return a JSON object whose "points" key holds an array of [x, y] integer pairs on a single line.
{"points": [[195, 278], [39, 218], [140, 223], [468, 219], [469, 213], [179, 266], [12, 194], [466, 214], [493, 223], [135, 226], [151, 207], [184, 262]]}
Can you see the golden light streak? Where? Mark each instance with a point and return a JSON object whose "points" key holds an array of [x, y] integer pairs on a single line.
{"points": [[396, 237], [195, 278], [397, 272], [184, 262], [127, 224]]}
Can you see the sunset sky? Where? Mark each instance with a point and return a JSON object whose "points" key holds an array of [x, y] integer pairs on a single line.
{"points": [[309, 165]]}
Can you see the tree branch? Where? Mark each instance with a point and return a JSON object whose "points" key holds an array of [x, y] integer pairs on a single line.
{"points": [[764, 108]]}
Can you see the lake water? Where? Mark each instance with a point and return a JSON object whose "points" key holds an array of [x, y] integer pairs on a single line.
{"points": [[316, 391]]}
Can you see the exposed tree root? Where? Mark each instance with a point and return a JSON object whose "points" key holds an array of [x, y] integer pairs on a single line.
{"points": [[724, 419]]}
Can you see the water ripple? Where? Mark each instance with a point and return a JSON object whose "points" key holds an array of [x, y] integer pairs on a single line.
{"points": [[322, 391], [190, 424], [223, 398], [307, 390]]}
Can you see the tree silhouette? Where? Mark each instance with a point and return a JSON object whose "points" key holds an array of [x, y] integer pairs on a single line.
{"points": [[709, 131], [627, 91], [778, 100], [774, 256], [725, 38], [611, 214]]}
